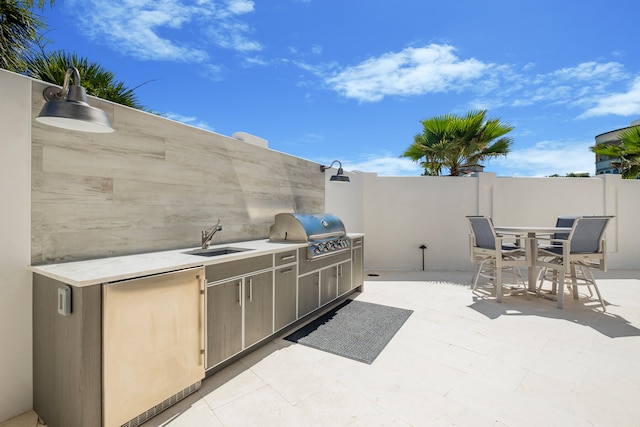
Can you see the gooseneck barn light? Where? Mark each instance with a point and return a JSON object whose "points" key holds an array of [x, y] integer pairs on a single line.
{"points": [[340, 176], [67, 108]]}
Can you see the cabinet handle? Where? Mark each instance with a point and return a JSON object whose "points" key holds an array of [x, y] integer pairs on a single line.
{"points": [[250, 290], [240, 293], [202, 281], [339, 271], [286, 271], [284, 258]]}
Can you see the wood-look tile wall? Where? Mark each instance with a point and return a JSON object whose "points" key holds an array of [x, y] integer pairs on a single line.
{"points": [[154, 184]]}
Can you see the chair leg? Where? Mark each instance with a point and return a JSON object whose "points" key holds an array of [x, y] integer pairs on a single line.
{"points": [[592, 280], [518, 274], [542, 276], [574, 281], [580, 269], [478, 273], [474, 279]]}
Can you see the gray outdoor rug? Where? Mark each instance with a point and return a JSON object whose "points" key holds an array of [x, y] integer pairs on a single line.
{"points": [[354, 329]]}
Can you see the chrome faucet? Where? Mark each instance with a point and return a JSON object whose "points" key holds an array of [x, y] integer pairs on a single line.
{"points": [[207, 234]]}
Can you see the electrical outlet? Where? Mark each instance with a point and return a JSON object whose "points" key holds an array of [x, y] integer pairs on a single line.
{"points": [[64, 300]]}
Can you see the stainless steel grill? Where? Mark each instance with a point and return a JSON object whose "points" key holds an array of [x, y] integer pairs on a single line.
{"points": [[325, 233]]}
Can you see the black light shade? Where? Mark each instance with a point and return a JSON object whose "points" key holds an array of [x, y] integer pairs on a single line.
{"points": [[338, 177], [67, 108]]}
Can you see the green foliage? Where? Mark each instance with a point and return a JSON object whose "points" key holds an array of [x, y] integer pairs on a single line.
{"points": [[450, 141], [21, 52], [572, 175], [627, 151], [51, 67], [19, 30]]}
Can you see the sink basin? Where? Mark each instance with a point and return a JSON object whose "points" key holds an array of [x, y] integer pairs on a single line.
{"points": [[216, 251]]}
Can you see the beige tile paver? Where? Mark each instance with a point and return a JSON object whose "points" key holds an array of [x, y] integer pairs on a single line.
{"points": [[460, 359]]}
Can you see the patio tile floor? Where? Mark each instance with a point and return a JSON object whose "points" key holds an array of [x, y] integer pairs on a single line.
{"points": [[460, 359]]}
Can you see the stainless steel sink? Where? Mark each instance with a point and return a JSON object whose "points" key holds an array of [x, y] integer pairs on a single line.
{"points": [[216, 251]]}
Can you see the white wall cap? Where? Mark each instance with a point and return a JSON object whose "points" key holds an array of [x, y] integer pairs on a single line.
{"points": [[251, 139]]}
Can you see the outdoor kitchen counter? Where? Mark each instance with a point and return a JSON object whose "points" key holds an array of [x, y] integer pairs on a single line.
{"points": [[104, 270]]}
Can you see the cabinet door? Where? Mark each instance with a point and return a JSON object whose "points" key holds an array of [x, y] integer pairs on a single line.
{"points": [[258, 307], [357, 265], [344, 278], [285, 297], [224, 321], [308, 293], [328, 285], [151, 341]]}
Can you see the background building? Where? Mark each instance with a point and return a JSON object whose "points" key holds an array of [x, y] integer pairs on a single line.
{"points": [[604, 164]]}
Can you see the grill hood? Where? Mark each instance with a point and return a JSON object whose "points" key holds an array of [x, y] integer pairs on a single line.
{"points": [[299, 228]]}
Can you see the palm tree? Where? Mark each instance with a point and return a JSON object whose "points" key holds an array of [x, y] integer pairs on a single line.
{"points": [[19, 30], [451, 141], [51, 67], [627, 151]]}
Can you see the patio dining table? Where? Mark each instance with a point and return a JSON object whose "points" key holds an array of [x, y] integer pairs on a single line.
{"points": [[533, 233]]}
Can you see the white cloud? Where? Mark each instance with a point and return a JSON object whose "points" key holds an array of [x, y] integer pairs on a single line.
{"points": [[417, 71], [232, 35], [412, 71], [188, 120], [588, 71], [622, 104], [576, 86], [238, 7], [152, 29], [384, 164], [545, 158]]}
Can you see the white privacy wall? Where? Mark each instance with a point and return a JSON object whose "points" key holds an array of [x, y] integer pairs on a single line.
{"points": [[15, 277], [398, 214], [401, 213]]}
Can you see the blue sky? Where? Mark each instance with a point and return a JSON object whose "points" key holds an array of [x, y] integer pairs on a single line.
{"points": [[352, 79]]}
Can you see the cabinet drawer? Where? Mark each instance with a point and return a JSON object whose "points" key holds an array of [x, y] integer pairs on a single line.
{"points": [[356, 241], [286, 257], [306, 266], [240, 267]]}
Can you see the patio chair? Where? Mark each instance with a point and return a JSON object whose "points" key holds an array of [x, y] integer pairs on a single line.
{"points": [[561, 221], [573, 258], [494, 258]]}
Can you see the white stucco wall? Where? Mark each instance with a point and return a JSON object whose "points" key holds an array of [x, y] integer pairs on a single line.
{"points": [[15, 277], [398, 214], [401, 213]]}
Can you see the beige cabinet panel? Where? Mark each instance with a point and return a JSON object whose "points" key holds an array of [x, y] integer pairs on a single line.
{"points": [[258, 307], [152, 341], [285, 297], [224, 321], [328, 284], [357, 265], [308, 293], [344, 278]]}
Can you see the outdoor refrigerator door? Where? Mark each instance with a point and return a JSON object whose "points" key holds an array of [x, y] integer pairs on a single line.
{"points": [[153, 336]]}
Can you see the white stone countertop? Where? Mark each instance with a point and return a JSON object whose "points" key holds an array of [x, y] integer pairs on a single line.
{"points": [[105, 270]]}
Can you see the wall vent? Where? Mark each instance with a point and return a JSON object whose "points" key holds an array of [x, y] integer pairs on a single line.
{"points": [[150, 413]]}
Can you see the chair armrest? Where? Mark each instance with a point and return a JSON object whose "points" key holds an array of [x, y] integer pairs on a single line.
{"points": [[516, 236]]}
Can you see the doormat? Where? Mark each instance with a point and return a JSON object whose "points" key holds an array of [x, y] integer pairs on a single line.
{"points": [[354, 329]]}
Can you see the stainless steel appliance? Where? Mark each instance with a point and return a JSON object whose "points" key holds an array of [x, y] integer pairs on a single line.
{"points": [[325, 233]]}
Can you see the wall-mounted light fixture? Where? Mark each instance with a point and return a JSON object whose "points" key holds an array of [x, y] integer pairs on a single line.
{"points": [[67, 108], [340, 176]]}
